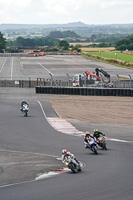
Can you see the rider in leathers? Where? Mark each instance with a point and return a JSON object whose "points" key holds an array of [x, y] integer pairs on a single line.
{"points": [[23, 102], [66, 154], [97, 134], [87, 137]]}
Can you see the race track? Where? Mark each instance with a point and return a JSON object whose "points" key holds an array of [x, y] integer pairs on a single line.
{"points": [[23, 68], [106, 176]]}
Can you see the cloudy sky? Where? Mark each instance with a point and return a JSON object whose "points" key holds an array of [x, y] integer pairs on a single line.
{"points": [[66, 11]]}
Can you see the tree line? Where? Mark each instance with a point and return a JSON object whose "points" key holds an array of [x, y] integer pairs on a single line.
{"points": [[123, 44]]}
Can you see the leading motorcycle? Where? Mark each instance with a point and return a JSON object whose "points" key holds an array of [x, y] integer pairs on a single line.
{"points": [[25, 109]]}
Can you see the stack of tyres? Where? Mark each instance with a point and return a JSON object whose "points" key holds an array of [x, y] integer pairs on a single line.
{"points": [[128, 92], [50, 90], [99, 92], [110, 92], [92, 91], [65, 90], [58, 90], [53, 90], [96, 92], [114, 92], [47, 90], [42, 89], [124, 92], [81, 91], [117, 92], [77, 91], [88, 91], [71, 90], [37, 89], [106, 92], [74, 90], [102, 92], [85, 91], [121, 92], [68, 90], [131, 93]]}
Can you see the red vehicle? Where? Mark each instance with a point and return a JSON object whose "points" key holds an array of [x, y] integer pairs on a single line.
{"points": [[42, 53], [32, 53]]}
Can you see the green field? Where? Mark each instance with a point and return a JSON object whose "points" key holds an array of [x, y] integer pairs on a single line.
{"points": [[113, 55]]}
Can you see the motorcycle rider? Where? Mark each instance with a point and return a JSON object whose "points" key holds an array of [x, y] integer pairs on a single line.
{"points": [[87, 137], [97, 134], [22, 104], [66, 154]]}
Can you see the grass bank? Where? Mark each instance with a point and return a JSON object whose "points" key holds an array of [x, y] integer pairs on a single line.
{"points": [[115, 58]]}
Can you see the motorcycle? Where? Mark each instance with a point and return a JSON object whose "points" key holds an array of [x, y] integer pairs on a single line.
{"points": [[72, 164], [25, 109], [92, 145], [101, 142]]}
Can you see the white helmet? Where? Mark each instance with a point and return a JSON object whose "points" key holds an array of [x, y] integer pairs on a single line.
{"points": [[64, 151]]}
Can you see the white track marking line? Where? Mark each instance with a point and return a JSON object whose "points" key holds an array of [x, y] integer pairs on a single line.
{"points": [[12, 69], [3, 65], [29, 152], [45, 68]]}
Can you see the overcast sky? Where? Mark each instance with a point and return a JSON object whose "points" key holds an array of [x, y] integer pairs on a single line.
{"points": [[66, 11]]}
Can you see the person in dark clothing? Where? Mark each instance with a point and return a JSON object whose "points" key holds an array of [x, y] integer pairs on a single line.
{"points": [[97, 133]]}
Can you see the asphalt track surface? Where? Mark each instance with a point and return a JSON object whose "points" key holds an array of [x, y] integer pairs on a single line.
{"points": [[23, 68], [107, 175]]}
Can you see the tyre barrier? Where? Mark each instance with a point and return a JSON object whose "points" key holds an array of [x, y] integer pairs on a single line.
{"points": [[84, 91]]}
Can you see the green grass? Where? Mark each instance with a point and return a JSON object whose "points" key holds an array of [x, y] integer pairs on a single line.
{"points": [[119, 56]]}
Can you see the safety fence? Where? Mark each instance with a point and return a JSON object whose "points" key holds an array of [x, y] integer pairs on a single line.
{"points": [[32, 83], [84, 91], [29, 83], [23, 83]]}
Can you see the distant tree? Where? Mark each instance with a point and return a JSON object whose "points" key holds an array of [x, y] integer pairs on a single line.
{"points": [[63, 34], [2, 43], [64, 45], [93, 38], [28, 42], [77, 48], [126, 43]]}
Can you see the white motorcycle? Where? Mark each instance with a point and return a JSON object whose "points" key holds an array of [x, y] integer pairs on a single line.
{"points": [[25, 109], [72, 164]]}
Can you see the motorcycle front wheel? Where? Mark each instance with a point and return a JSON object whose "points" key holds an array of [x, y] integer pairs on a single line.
{"points": [[94, 149], [73, 168]]}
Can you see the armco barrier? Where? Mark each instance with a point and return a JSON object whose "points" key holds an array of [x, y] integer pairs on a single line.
{"points": [[84, 91]]}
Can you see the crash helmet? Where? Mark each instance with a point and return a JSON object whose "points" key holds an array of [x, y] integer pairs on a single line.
{"points": [[95, 130], [87, 134], [64, 151]]}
